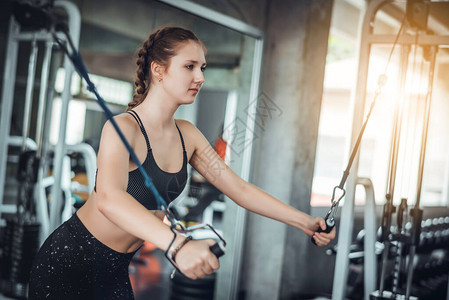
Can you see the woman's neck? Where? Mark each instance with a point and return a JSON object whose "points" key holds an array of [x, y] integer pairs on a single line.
{"points": [[157, 111]]}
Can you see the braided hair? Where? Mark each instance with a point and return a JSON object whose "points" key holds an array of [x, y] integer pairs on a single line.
{"points": [[160, 47]]}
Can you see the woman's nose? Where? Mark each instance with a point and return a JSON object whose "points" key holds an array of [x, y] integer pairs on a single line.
{"points": [[199, 77]]}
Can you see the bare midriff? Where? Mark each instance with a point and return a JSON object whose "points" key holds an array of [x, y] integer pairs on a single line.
{"points": [[107, 232]]}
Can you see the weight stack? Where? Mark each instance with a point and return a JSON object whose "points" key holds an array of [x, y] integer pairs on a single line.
{"points": [[21, 242], [183, 288], [5, 259]]}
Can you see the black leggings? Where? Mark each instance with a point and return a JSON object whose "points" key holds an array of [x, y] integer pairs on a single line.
{"points": [[73, 264]]}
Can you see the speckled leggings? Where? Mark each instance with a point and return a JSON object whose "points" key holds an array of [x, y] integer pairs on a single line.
{"points": [[73, 264]]}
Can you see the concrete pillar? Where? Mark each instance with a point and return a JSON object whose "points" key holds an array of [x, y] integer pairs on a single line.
{"points": [[274, 265]]}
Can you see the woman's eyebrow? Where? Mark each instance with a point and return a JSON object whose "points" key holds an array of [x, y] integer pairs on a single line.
{"points": [[194, 62]]}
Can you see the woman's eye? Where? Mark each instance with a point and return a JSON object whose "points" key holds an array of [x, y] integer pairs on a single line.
{"points": [[203, 69], [189, 67]]}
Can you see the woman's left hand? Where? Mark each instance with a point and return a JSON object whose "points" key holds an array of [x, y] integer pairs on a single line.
{"points": [[321, 238]]}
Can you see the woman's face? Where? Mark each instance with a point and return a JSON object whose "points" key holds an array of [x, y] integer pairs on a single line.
{"points": [[184, 77]]}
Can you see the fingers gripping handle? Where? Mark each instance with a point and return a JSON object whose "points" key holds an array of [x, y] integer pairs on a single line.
{"points": [[218, 249], [330, 223]]}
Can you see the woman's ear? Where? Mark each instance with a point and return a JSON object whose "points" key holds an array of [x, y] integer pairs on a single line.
{"points": [[157, 71]]}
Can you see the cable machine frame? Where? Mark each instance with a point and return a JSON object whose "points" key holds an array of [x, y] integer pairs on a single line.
{"points": [[367, 40], [15, 36]]}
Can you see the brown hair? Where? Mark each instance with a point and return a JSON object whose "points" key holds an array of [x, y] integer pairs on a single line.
{"points": [[160, 47]]}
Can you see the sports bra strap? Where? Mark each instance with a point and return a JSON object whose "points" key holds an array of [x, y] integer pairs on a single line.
{"points": [[139, 121], [182, 140]]}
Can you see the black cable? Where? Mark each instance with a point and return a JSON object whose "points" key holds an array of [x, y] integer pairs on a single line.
{"points": [[381, 82], [330, 216]]}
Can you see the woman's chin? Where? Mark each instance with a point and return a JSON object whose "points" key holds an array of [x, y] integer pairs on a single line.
{"points": [[188, 100]]}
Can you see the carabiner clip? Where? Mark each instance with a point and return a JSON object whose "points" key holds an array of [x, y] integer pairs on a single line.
{"points": [[335, 203], [334, 206], [330, 216]]}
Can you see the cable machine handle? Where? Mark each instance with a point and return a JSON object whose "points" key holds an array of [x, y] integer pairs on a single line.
{"points": [[330, 224], [218, 249]]}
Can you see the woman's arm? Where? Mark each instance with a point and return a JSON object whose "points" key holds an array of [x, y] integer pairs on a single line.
{"points": [[213, 168], [195, 260], [112, 181]]}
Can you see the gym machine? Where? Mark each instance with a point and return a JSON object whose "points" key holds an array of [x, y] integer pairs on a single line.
{"points": [[406, 236], [31, 221], [35, 22]]}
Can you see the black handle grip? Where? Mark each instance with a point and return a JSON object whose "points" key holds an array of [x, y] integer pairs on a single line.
{"points": [[330, 223], [218, 249]]}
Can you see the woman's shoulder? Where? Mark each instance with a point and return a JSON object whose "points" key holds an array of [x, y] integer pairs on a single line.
{"points": [[191, 133], [184, 123], [125, 122], [187, 127]]}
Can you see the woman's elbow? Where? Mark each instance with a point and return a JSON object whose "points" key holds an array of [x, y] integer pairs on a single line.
{"points": [[103, 200]]}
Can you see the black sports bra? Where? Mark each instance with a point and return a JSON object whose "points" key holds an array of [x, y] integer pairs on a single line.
{"points": [[169, 185]]}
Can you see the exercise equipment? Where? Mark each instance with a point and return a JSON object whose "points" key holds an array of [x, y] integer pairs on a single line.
{"points": [[401, 237], [34, 29], [331, 214], [22, 232], [21, 240], [28, 222], [431, 263], [368, 38], [183, 288]]}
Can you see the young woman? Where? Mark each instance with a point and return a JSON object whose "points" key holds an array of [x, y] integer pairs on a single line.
{"points": [[88, 256]]}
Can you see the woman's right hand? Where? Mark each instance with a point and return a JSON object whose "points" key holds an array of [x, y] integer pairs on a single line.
{"points": [[195, 260]]}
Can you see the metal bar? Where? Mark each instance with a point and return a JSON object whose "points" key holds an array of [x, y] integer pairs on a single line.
{"points": [[394, 152], [56, 197], [216, 17], [410, 271], [422, 156], [369, 243], [38, 36], [42, 96], [9, 79], [39, 189], [29, 93], [397, 123], [401, 214], [358, 105], [42, 206], [421, 163], [90, 158], [430, 40], [385, 254]]}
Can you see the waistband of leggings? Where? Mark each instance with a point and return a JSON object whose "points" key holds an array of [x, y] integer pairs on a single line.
{"points": [[83, 235]]}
